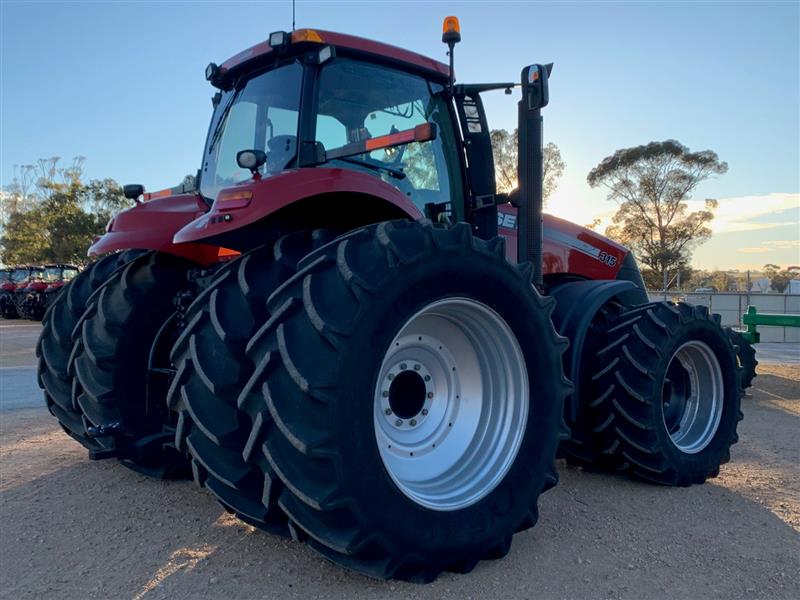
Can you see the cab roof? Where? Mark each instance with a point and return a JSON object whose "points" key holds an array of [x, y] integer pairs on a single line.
{"points": [[341, 41]]}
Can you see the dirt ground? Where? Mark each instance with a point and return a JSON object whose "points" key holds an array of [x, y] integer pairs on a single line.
{"points": [[75, 529]]}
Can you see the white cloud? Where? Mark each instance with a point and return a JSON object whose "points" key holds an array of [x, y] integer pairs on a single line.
{"points": [[740, 213], [784, 243], [755, 250], [574, 201]]}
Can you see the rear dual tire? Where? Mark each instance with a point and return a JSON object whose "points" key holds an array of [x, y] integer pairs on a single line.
{"points": [[110, 364], [55, 343], [212, 370], [310, 411], [745, 355]]}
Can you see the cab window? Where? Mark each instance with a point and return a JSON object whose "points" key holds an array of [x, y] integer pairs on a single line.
{"points": [[360, 101], [261, 114]]}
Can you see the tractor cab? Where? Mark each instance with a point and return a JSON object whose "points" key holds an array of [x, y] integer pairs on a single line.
{"points": [[362, 117], [371, 113]]}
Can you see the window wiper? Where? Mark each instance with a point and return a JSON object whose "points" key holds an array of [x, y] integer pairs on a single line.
{"points": [[396, 173], [222, 118]]}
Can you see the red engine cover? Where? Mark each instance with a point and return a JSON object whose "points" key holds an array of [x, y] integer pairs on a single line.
{"points": [[567, 247]]}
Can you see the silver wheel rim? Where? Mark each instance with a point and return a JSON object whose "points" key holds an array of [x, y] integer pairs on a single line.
{"points": [[692, 397], [451, 404]]}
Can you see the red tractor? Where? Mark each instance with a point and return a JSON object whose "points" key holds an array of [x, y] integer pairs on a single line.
{"points": [[5, 289], [12, 290], [42, 290], [348, 336]]}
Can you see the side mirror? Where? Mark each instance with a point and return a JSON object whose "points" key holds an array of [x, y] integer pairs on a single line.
{"points": [[534, 85], [133, 191], [251, 159]]}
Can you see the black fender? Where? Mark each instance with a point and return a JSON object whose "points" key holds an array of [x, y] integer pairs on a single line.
{"points": [[577, 303]]}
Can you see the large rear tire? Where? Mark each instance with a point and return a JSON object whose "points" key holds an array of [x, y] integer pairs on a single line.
{"points": [[212, 369], [55, 343], [667, 394], [343, 346], [110, 362]]}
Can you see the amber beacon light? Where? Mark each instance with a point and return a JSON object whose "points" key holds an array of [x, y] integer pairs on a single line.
{"points": [[451, 30]]}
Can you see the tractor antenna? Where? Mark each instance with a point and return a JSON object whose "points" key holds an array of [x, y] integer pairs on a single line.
{"points": [[451, 35], [292, 15]]}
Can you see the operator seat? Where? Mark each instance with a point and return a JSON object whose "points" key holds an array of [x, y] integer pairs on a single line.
{"points": [[280, 150]]}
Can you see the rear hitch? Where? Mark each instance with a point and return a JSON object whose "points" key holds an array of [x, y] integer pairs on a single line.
{"points": [[107, 430]]}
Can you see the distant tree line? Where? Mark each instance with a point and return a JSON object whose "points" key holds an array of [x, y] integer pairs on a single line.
{"points": [[50, 214], [779, 278]]}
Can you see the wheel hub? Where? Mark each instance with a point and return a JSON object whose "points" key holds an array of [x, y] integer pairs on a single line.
{"points": [[407, 394], [451, 404], [692, 397]]}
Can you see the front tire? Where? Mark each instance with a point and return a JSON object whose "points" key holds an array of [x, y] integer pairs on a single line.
{"points": [[666, 394], [357, 311]]}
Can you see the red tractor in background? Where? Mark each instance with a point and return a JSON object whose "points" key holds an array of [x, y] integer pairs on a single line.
{"points": [[348, 336], [11, 291], [5, 289], [42, 289]]}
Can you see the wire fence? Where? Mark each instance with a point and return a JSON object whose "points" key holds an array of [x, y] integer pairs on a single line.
{"points": [[732, 305]]}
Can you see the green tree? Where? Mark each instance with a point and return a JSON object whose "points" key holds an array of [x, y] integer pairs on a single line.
{"points": [[505, 152], [23, 241], [651, 184], [60, 217], [779, 278]]}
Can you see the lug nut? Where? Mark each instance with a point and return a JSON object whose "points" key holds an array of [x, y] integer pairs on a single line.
{"points": [[424, 412], [399, 422], [413, 422], [430, 394], [385, 393], [427, 377], [391, 376], [416, 367], [388, 411], [403, 366]]}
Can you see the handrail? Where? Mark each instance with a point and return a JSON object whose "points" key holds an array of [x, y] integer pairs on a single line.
{"points": [[752, 319]]}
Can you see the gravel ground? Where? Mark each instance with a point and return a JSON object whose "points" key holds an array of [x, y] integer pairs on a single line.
{"points": [[71, 528]]}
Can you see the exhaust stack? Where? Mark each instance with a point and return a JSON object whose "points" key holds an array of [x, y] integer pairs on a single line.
{"points": [[530, 169]]}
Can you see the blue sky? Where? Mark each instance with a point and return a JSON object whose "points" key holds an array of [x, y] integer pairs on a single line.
{"points": [[122, 84]]}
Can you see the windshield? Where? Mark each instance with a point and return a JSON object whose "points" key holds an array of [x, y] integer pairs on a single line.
{"points": [[260, 114], [19, 275], [52, 274]]}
